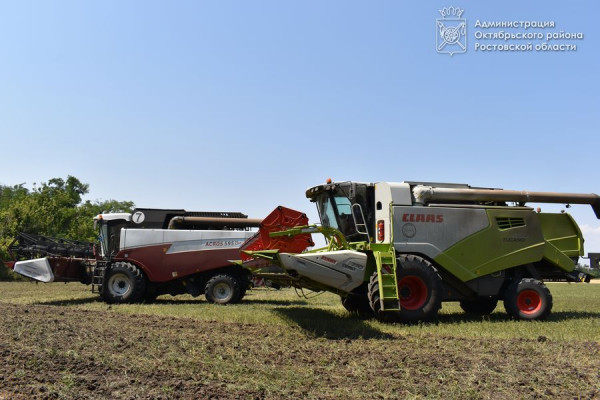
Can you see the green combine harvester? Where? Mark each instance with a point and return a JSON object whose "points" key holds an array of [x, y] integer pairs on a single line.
{"points": [[398, 250]]}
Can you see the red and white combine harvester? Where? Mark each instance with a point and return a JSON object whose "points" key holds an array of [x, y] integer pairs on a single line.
{"points": [[146, 253]]}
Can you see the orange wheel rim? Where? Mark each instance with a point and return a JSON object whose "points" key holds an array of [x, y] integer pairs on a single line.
{"points": [[413, 292], [529, 302]]}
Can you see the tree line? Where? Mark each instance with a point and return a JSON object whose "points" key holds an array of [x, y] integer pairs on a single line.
{"points": [[54, 208]]}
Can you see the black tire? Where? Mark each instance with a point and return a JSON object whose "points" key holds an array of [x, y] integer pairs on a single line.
{"points": [[245, 284], [481, 306], [243, 291], [124, 283], [528, 299], [375, 304], [419, 289], [374, 298], [223, 289], [358, 303]]}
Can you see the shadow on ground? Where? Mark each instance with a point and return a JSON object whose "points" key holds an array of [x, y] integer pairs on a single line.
{"points": [[171, 301], [69, 302], [321, 323], [568, 315], [503, 317], [245, 301], [276, 302]]}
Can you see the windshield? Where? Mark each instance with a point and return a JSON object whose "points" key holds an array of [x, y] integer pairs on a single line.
{"points": [[336, 212], [102, 238], [109, 234], [342, 207]]}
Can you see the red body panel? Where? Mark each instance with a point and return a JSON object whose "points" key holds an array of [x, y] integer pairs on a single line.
{"points": [[280, 219], [162, 267], [67, 269]]}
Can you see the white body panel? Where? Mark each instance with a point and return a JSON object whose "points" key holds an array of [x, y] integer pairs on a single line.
{"points": [[183, 240], [386, 194], [113, 216], [401, 193], [344, 270], [38, 269]]}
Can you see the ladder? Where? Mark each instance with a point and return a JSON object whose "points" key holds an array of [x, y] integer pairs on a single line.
{"points": [[98, 277], [388, 285]]}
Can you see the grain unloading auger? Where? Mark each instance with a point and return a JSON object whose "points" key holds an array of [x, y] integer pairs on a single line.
{"points": [[398, 250]]}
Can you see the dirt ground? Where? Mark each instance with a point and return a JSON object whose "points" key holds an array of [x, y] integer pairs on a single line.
{"points": [[52, 352]]}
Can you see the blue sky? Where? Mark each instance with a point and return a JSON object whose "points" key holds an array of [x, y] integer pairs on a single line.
{"points": [[242, 105]]}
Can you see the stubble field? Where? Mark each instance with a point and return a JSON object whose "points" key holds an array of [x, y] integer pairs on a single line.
{"points": [[60, 341]]}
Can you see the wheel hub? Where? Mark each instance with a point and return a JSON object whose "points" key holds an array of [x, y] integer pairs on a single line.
{"points": [[404, 292], [529, 302], [222, 291], [119, 284], [413, 292]]}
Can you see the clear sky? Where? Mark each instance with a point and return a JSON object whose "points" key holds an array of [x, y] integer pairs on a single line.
{"points": [[242, 105]]}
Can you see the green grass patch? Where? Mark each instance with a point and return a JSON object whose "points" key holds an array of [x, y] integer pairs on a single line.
{"points": [[575, 315]]}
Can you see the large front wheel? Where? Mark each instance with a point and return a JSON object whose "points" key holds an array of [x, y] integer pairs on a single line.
{"points": [[124, 283], [419, 291]]}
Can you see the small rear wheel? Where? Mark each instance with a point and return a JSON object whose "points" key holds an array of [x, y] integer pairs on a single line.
{"points": [[528, 299], [223, 289]]}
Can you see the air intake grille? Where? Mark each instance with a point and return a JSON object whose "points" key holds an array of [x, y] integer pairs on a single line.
{"points": [[509, 222]]}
